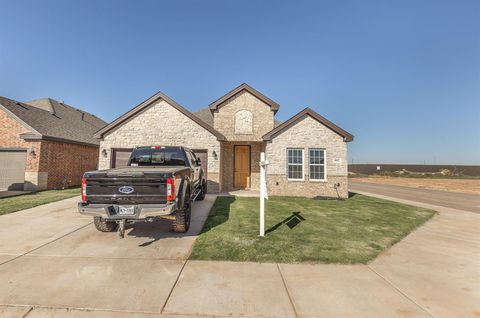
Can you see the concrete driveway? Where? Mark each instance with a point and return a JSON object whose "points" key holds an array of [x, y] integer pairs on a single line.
{"points": [[53, 258], [55, 264]]}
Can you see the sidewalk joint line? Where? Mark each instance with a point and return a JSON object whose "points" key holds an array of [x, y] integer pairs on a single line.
{"points": [[286, 289], [28, 312], [401, 292], [173, 287]]}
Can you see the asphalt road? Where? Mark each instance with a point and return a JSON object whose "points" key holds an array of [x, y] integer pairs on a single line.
{"points": [[460, 201]]}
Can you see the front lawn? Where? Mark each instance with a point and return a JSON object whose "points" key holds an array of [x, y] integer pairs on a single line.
{"points": [[26, 201], [305, 230]]}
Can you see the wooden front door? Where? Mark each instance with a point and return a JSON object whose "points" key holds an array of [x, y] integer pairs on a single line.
{"points": [[241, 172]]}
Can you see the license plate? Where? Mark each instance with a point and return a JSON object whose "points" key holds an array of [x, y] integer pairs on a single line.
{"points": [[126, 210]]}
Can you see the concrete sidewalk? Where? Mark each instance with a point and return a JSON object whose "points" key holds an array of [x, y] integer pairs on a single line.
{"points": [[434, 272]]}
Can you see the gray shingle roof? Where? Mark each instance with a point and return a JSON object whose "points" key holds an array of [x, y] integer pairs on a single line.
{"points": [[50, 119], [206, 115]]}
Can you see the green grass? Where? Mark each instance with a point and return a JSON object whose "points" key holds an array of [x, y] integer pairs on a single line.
{"points": [[13, 204], [350, 231]]}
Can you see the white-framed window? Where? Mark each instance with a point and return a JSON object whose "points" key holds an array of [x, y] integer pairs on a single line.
{"points": [[295, 164], [316, 165]]}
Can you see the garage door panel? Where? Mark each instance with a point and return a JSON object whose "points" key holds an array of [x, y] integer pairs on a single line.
{"points": [[12, 169]]}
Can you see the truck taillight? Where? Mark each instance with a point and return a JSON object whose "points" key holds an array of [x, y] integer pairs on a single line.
{"points": [[84, 189], [170, 189]]}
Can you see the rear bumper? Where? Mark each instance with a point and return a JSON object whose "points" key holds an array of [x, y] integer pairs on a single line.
{"points": [[142, 211]]}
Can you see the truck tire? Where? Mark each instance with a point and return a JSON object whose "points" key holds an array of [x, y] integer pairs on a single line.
{"points": [[203, 192], [104, 226], [181, 223]]}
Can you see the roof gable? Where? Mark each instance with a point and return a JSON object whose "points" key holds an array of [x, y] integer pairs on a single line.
{"points": [[150, 102], [347, 137], [244, 87]]}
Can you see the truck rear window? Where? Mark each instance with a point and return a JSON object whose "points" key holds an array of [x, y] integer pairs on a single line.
{"points": [[157, 157]]}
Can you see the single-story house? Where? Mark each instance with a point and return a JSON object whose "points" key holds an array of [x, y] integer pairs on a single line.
{"points": [[45, 144], [307, 153]]}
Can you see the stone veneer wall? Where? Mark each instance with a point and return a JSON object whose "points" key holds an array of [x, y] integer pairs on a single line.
{"points": [[262, 122], [162, 124], [227, 149], [306, 134]]}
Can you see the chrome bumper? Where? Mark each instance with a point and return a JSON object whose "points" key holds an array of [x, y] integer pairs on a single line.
{"points": [[142, 211]]}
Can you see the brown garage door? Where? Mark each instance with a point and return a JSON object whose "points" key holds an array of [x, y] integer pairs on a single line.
{"points": [[12, 169], [120, 157], [203, 155]]}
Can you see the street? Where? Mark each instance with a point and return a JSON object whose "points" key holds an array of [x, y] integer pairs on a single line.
{"points": [[460, 201]]}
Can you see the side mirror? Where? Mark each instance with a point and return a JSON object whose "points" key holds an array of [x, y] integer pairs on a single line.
{"points": [[199, 162]]}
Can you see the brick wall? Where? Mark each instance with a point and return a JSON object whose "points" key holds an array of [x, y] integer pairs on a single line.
{"points": [[66, 163], [49, 163], [162, 124], [306, 134], [10, 130], [238, 107]]}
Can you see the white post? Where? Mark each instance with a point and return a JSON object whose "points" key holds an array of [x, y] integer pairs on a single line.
{"points": [[262, 194]]}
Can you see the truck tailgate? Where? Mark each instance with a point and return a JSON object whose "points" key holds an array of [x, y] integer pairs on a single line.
{"points": [[127, 190]]}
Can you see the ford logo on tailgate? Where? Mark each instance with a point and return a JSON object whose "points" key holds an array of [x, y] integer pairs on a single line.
{"points": [[126, 189]]}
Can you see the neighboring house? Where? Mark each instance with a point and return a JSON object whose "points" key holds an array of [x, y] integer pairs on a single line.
{"points": [[45, 144], [307, 153]]}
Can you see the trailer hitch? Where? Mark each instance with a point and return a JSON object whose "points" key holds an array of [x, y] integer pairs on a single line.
{"points": [[121, 229]]}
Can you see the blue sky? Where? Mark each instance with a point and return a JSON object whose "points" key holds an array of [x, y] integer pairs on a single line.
{"points": [[402, 76]]}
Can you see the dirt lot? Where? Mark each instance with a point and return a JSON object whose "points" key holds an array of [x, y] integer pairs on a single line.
{"points": [[470, 186]]}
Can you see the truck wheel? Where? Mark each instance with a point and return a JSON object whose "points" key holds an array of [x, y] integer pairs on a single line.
{"points": [[181, 223], [104, 226], [203, 192]]}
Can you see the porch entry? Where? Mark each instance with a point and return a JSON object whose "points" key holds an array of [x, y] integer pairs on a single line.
{"points": [[241, 167]]}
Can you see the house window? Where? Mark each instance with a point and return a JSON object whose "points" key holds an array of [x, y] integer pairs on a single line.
{"points": [[295, 164], [317, 164]]}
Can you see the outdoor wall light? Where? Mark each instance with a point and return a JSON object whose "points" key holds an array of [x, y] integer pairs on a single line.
{"points": [[32, 152], [104, 153], [214, 154]]}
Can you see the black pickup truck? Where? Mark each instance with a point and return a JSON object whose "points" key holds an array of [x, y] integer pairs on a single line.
{"points": [[159, 182]]}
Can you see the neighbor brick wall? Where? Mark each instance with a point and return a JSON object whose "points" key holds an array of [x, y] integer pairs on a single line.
{"points": [[66, 163], [262, 122], [10, 129], [48, 162], [162, 124], [306, 134]]}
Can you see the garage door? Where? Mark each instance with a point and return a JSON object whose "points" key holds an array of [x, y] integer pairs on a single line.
{"points": [[12, 169], [120, 157], [203, 155]]}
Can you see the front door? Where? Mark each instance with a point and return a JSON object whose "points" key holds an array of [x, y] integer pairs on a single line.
{"points": [[241, 172]]}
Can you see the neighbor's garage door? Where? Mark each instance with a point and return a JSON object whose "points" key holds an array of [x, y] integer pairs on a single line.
{"points": [[120, 157], [203, 155], [12, 169]]}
